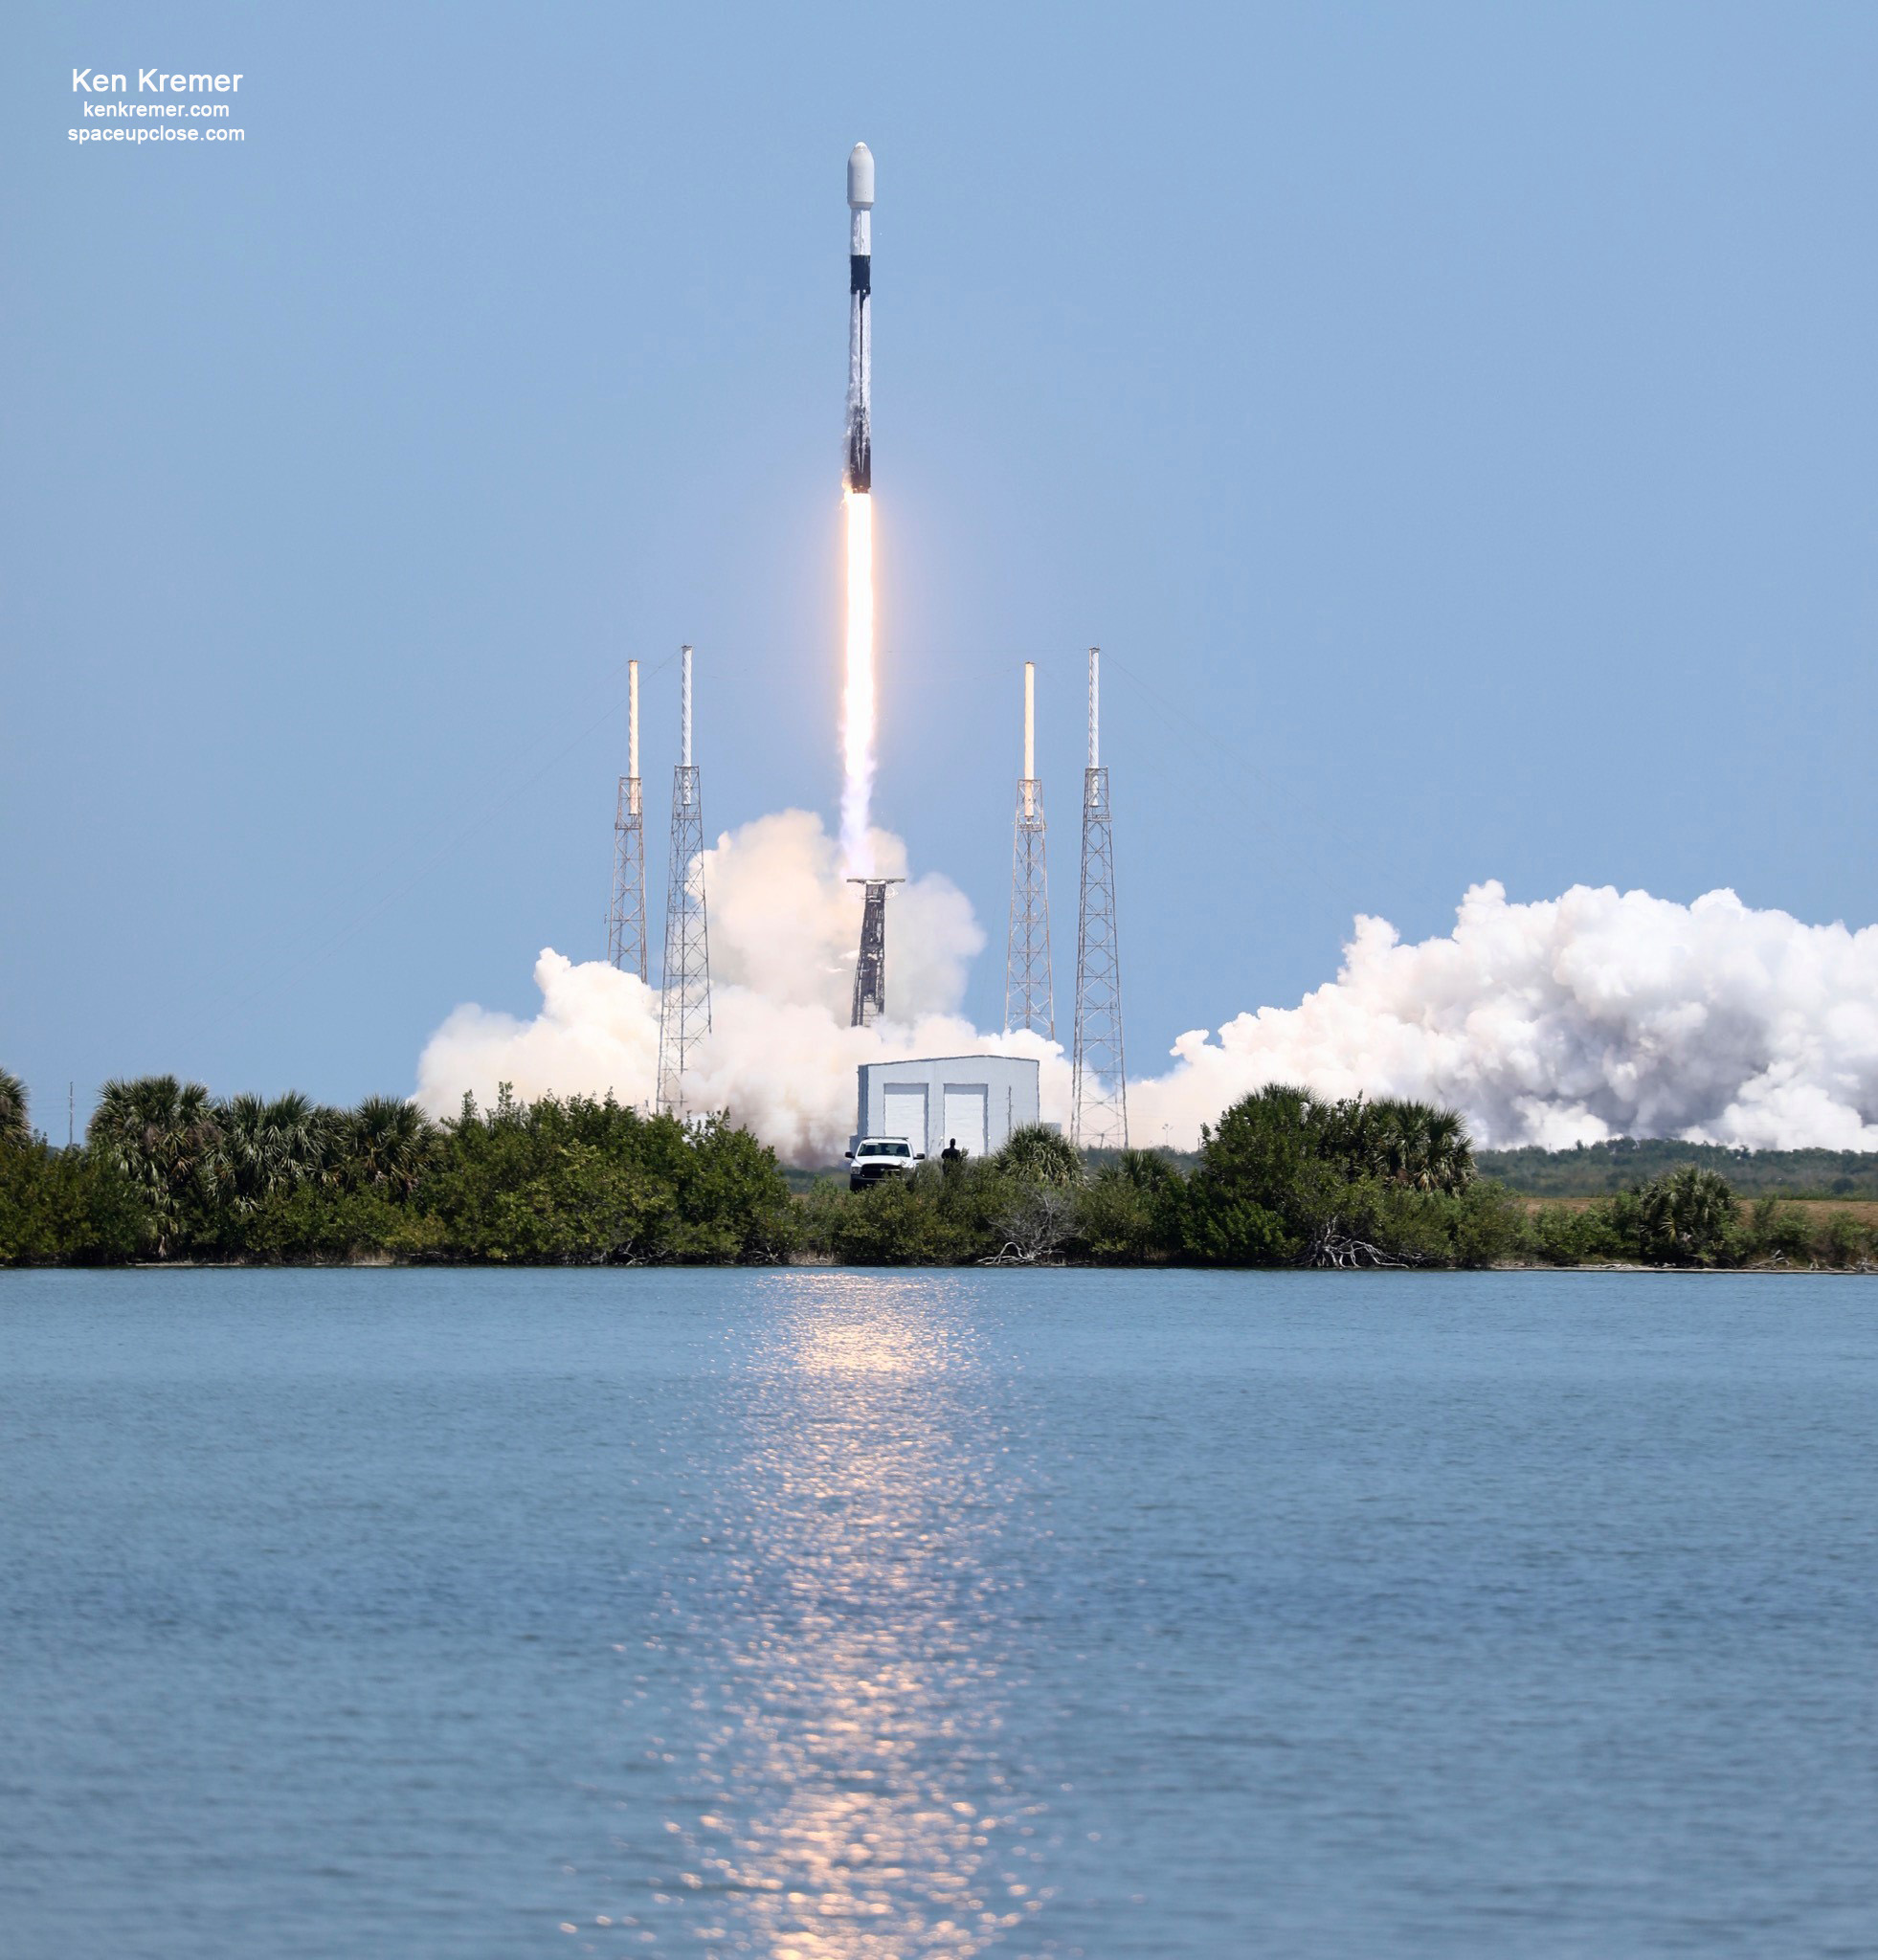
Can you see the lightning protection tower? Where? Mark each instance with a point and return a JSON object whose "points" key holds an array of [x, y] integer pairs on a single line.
{"points": [[1029, 999], [626, 920], [870, 962], [1099, 1092], [684, 1008]]}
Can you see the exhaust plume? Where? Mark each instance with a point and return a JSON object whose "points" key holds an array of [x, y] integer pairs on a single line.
{"points": [[1571, 1020], [858, 484], [858, 689]]}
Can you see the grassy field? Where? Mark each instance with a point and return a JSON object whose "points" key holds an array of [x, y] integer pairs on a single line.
{"points": [[1815, 1211]]}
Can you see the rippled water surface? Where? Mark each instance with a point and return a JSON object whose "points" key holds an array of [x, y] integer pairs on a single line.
{"points": [[857, 1615]]}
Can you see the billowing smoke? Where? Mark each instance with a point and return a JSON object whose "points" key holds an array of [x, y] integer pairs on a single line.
{"points": [[1591, 1016], [784, 925]]}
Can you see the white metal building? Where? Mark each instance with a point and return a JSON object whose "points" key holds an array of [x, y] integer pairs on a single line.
{"points": [[978, 1099]]}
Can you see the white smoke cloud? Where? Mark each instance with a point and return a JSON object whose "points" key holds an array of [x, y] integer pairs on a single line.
{"points": [[597, 1031], [1591, 1016], [1583, 1017], [780, 1056], [784, 921]]}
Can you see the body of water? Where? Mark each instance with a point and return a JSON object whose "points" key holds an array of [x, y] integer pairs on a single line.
{"points": [[844, 1616]]}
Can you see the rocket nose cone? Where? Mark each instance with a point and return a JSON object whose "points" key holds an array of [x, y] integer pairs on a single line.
{"points": [[861, 178]]}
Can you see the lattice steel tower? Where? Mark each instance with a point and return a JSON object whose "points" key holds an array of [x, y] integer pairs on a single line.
{"points": [[1099, 1094], [684, 1008], [1029, 997], [870, 962], [626, 921]]}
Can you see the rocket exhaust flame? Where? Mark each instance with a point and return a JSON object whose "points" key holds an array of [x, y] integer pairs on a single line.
{"points": [[858, 689], [858, 694]]}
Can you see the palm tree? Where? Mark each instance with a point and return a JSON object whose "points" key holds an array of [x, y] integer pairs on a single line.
{"points": [[1408, 1129], [241, 1158], [1406, 1134], [1688, 1216], [1038, 1155], [1387, 1140], [388, 1144], [13, 1125], [162, 1135], [1139, 1169], [1416, 1145], [273, 1146], [1450, 1150]]}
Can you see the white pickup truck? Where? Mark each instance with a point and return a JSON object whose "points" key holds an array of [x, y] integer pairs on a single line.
{"points": [[874, 1158]]}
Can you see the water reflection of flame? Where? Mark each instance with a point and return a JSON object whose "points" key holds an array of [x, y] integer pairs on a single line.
{"points": [[852, 1801]]}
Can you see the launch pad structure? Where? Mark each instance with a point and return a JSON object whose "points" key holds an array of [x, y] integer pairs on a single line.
{"points": [[1098, 1088], [870, 962], [1029, 996], [684, 1008], [626, 935]]}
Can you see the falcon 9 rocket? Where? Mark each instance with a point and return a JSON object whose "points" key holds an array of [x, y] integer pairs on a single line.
{"points": [[861, 333]]}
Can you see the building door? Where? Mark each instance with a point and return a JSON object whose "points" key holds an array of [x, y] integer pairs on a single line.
{"points": [[904, 1104], [965, 1116]]}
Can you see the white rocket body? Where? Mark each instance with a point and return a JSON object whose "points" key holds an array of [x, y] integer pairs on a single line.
{"points": [[858, 471]]}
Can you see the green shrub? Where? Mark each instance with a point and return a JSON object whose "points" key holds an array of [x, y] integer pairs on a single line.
{"points": [[1570, 1234], [67, 1208], [1285, 1178], [316, 1224], [955, 1213], [1263, 1193], [587, 1183], [1480, 1225], [895, 1222], [1689, 1217], [1844, 1241], [1222, 1228], [1777, 1234], [1038, 1155], [1129, 1211]]}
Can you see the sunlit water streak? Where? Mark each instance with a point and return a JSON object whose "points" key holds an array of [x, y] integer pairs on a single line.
{"points": [[841, 1786], [858, 687]]}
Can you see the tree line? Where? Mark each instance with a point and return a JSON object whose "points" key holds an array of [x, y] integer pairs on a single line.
{"points": [[1628, 1163], [168, 1173]]}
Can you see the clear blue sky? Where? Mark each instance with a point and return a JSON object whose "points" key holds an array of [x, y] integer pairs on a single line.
{"points": [[1457, 423]]}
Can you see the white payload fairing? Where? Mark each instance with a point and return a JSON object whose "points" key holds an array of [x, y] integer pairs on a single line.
{"points": [[859, 471]]}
